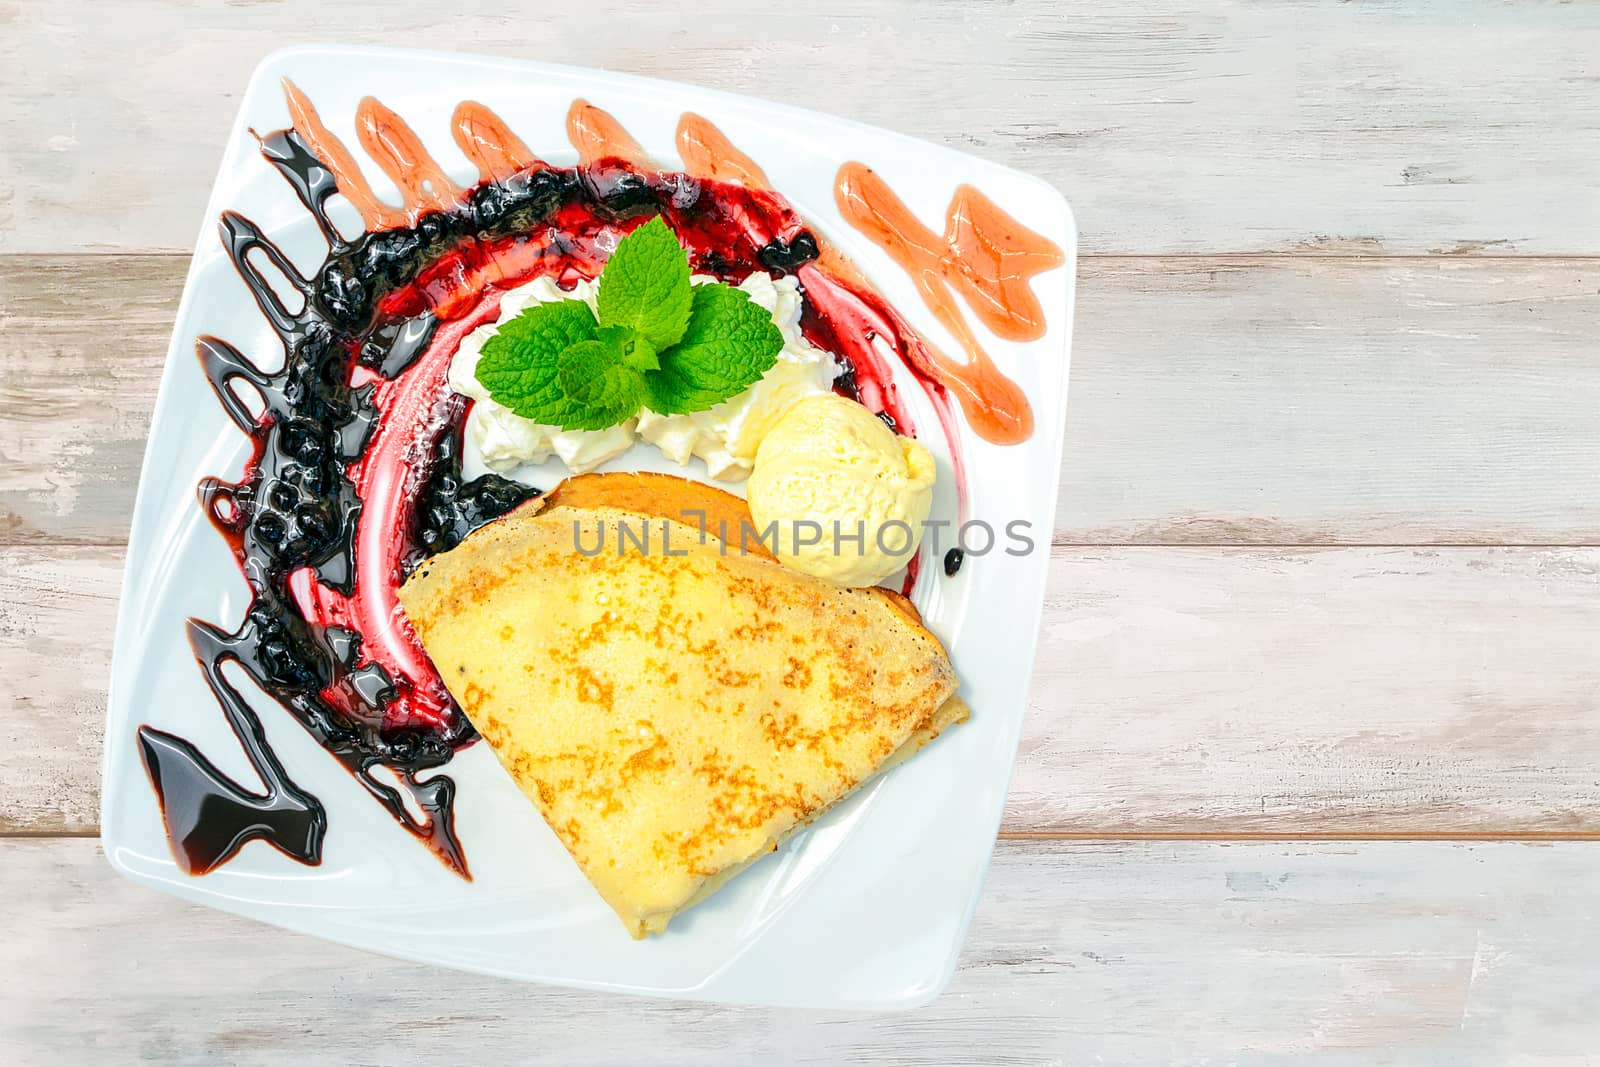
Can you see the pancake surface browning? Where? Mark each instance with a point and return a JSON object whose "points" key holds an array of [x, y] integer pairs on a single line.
{"points": [[674, 716]]}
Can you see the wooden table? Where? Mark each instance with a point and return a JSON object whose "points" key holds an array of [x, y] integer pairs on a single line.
{"points": [[1313, 755]]}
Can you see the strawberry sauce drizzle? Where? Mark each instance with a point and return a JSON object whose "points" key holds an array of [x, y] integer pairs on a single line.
{"points": [[413, 412]]}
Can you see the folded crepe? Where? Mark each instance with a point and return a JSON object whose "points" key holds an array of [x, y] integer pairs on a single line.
{"points": [[674, 710]]}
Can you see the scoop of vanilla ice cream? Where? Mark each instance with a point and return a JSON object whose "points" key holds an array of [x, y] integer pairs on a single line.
{"points": [[725, 436], [830, 470]]}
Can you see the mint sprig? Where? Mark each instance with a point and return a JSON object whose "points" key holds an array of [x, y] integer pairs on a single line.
{"points": [[658, 342]]}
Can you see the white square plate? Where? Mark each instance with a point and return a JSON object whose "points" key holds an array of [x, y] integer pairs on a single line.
{"points": [[865, 909]]}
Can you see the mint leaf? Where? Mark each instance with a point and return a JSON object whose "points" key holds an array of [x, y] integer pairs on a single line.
{"points": [[728, 344], [520, 364], [645, 285], [603, 389]]}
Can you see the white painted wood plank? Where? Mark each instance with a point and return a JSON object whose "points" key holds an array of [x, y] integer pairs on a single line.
{"points": [[1178, 690], [82, 341], [1436, 125], [1153, 952], [1332, 691], [1214, 400], [1309, 401], [57, 613]]}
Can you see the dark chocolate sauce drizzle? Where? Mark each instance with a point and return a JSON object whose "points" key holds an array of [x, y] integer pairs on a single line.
{"points": [[208, 816], [298, 508], [386, 310]]}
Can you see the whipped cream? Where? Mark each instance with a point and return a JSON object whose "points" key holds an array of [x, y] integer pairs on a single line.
{"points": [[724, 437]]}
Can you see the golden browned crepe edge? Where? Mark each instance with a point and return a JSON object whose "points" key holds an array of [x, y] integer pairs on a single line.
{"points": [[952, 711], [668, 496], [661, 496], [680, 500]]}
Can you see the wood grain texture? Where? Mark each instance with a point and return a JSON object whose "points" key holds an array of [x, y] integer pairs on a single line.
{"points": [[57, 613], [1174, 952], [1178, 691], [1331, 691], [1214, 400], [1322, 304], [82, 341], [1437, 125], [1302, 400]]}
